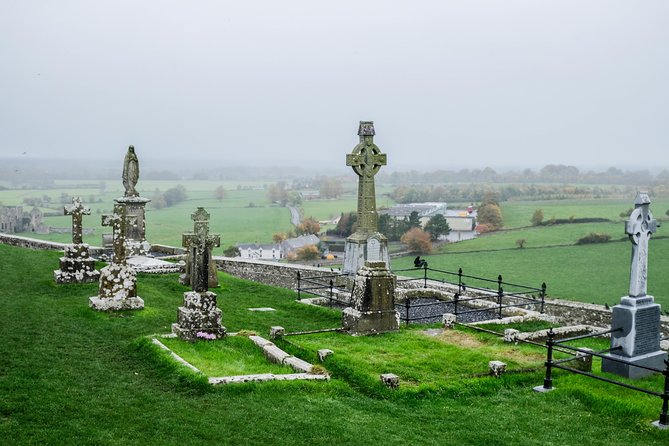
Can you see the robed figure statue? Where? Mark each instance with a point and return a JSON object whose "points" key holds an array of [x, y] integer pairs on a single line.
{"points": [[130, 172]]}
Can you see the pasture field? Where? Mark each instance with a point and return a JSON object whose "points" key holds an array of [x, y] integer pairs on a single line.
{"points": [[71, 375]]}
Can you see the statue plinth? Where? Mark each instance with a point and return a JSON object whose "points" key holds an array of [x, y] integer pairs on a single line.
{"points": [[372, 309], [638, 340], [361, 247], [135, 238], [118, 289], [77, 266]]}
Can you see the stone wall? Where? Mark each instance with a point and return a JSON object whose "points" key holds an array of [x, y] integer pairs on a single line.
{"points": [[33, 243], [281, 275]]}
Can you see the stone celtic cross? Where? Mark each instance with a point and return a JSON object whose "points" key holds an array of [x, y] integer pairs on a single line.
{"points": [[119, 222], [640, 226], [77, 211], [200, 243], [366, 160]]}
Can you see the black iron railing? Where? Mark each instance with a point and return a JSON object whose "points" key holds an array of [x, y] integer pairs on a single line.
{"points": [[522, 295], [321, 286], [551, 363]]}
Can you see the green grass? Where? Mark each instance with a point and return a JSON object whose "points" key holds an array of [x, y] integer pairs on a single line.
{"points": [[587, 273], [69, 375]]}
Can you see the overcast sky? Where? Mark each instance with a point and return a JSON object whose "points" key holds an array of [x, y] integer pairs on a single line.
{"points": [[447, 83]]}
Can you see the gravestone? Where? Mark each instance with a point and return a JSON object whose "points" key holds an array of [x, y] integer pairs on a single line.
{"points": [[136, 242], [199, 317], [76, 266], [200, 223], [118, 280], [366, 160], [372, 307], [637, 317]]}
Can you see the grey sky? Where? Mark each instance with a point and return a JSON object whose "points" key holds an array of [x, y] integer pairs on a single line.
{"points": [[466, 83]]}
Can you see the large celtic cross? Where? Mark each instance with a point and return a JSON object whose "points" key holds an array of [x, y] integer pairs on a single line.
{"points": [[366, 160], [640, 226], [199, 244], [119, 222], [77, 211]]}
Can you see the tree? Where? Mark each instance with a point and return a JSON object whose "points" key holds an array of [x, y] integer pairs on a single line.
{"points": [[490, 215], [175, 195], [347, 224], [414, 220], [417, 240], [308, 226], [231, 251], [277, 193], [331, 188], [309, 252], [626, 213], [521, 243], [220, 193], [437, 226], [278, 237], [537, 217]]}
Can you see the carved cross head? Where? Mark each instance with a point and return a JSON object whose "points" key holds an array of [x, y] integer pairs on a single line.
{"points": [[641, 224]]}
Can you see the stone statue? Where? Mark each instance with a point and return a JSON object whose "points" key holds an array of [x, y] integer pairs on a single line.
{"points": [[130, 172], [640, 226]]}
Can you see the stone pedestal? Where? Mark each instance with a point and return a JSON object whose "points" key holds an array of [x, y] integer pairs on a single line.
{"points": [[135, 238], [639, 339], [372, 308], [361, 248], [77, 266], [118, 289], [199, 318]]}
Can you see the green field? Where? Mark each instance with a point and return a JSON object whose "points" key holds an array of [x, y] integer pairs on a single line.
{"points": [[70, 375]]}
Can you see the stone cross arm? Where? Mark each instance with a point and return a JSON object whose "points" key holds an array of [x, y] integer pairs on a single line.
{"points": [[77, 211]]}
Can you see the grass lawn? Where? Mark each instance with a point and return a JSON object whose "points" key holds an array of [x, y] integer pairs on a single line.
{"points": [[69, 375]]}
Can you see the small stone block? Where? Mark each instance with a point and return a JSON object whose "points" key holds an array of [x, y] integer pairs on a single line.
{"points": [[448, 320], [583, 360], [298, 364], [542, 389], [390, 380], [497, 368], [276, 332], [324, 353], [511, 335]]}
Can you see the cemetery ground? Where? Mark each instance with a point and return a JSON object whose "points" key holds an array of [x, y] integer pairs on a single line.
{"points": [[70, 375]]}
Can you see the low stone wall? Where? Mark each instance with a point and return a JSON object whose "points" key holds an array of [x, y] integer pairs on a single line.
{"points": [[31, 243], [281, 275]]}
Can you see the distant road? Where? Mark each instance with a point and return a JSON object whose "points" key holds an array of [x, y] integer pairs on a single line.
{"points": [[294, 215]]}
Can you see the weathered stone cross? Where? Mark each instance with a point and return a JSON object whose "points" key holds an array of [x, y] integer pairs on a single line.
{"points": [[200, 243], [77, 211], [366, 160], [119, 222], [640, 226]]}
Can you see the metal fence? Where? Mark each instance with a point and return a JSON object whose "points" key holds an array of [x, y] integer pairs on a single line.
{"points": [[321, 286], [551, 363], [519, 296]]}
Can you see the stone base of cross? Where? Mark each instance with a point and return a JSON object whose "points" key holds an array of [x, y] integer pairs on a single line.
{"points": [[77, 266], [638, 341], [199, 318], [118, 289], [361, 248], [372, 307]]}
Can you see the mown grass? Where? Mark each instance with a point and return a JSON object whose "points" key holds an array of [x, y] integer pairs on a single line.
{"points": [[69, 375], [588, 273]]}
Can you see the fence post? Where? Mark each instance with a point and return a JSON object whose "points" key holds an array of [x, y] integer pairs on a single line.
{"points": [[543, 296], [298, 286], [548, 380], [459, 280], [455, 303], [425, 275], [500, 293], [664, 417], [407, 304], [331, 285]]}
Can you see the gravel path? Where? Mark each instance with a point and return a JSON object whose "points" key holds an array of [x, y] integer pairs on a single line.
{"points": [[429, 311]]}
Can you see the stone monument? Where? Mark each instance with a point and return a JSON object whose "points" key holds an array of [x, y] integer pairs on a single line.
{"points": [[372, 307], [199, 317], [637, 316], [77, 266], [366, 243], [136, 234], [118, 281], [201, 223]]}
